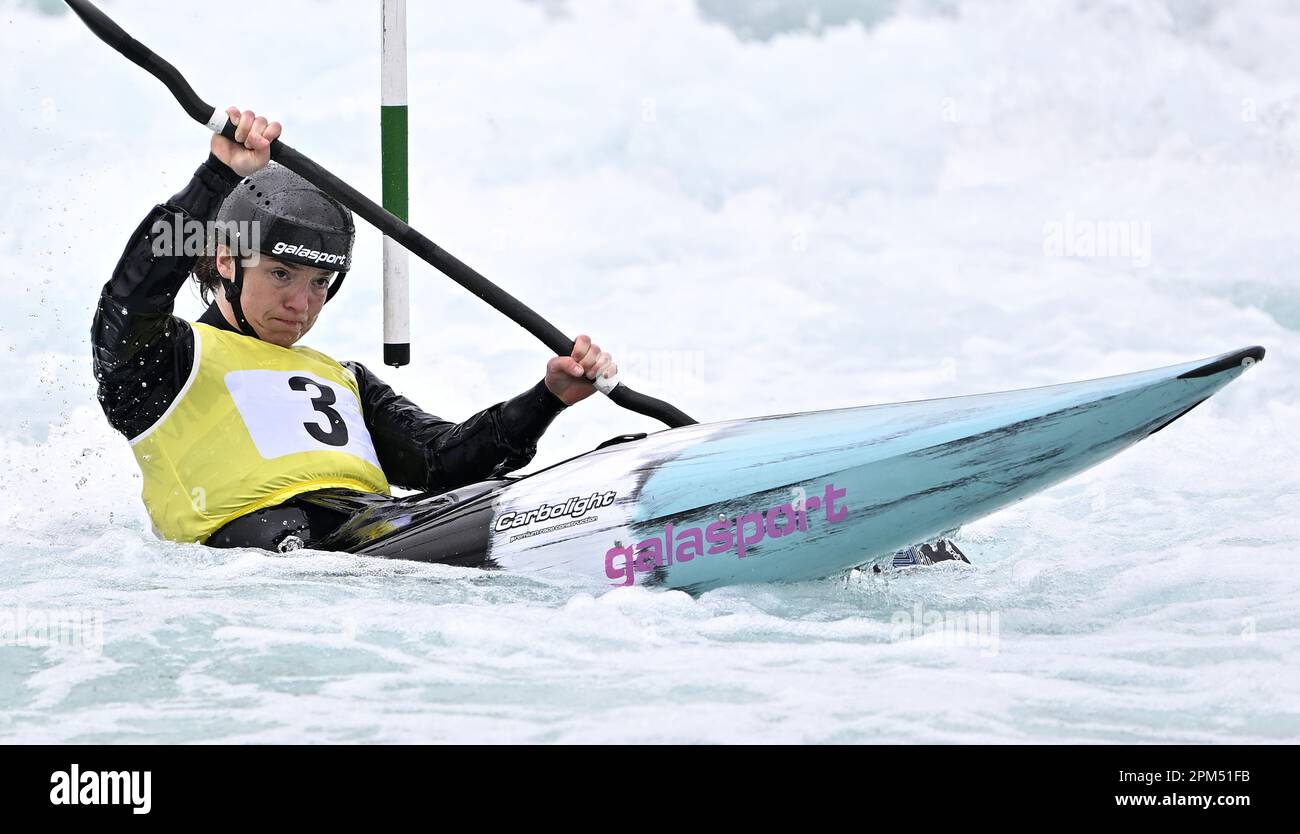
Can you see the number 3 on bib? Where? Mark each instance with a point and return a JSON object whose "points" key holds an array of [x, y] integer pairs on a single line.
{"points": [[338, 432], [287, 412]]}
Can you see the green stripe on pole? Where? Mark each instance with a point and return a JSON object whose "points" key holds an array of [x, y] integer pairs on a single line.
{"points": [[393, 142]]}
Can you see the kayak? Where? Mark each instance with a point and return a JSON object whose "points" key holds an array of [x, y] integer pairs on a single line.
{"points": [[786, 497]]}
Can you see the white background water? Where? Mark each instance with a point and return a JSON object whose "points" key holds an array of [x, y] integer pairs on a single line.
{"points": [[760, 208]]}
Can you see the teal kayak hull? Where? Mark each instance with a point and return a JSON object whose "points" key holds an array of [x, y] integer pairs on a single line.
{"points": [[800, 496]]}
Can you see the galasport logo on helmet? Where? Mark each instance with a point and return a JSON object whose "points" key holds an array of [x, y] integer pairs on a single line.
{"points": [[314, 255]]}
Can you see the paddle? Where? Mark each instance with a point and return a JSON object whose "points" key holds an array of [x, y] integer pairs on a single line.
{"points": [[113, 35]]}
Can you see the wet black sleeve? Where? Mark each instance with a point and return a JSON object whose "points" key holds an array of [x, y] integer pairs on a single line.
{"points": [[142, 353], [420, 451]]}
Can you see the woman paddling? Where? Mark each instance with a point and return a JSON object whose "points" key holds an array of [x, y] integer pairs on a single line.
{"points": [[244, 437]]}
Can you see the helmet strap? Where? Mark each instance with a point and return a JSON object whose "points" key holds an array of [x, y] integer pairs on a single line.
{"points": [[334, 287], [233, 290]]}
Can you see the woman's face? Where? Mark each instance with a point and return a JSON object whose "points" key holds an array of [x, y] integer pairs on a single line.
{"points": [[281, 300]]}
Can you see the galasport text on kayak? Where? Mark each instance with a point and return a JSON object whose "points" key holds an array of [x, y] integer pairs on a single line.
{"points": [[724, 535]]}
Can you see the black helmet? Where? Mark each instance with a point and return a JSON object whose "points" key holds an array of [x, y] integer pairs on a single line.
{"points": [[296, 222]]}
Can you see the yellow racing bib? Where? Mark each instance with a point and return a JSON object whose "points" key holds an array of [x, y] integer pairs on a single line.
{"points": [[254, 425]]}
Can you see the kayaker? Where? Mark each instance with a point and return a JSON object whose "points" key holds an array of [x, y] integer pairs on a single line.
{"points": [[243, 436]]}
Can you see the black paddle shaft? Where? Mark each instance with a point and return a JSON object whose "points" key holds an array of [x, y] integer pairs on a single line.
{"points": [[392, 226]]}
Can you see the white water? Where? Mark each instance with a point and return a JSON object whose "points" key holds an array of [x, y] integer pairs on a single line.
{"points": [[831, 203]]}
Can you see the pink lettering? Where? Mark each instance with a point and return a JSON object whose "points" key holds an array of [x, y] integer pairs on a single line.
{"points": [[742, 540], [616, 572], [833, 515], [723, 536], [775, 532]]}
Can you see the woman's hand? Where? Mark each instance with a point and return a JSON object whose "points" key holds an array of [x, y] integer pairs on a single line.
{"points": [[251, 149], [569, 377]]}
